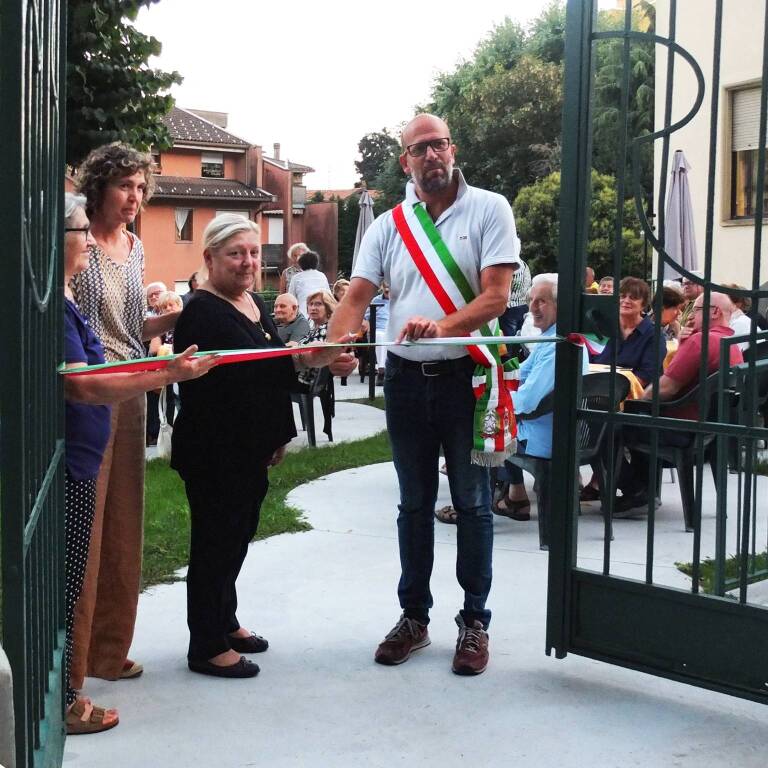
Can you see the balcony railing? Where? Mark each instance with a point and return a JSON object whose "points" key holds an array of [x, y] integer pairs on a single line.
{"points": [[299, 196], [272, 256]]}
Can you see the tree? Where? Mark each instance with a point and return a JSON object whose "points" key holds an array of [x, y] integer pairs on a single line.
{"points": [[537, 208], [376, 149], [609, 72], [497, 118], [546, 37], [112, 92]]}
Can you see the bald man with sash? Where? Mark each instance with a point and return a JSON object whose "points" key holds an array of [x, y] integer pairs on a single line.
{"points": [[448, 253]]}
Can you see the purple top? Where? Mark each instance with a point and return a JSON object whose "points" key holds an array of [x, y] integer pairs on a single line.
{"points": [[86, 426]]}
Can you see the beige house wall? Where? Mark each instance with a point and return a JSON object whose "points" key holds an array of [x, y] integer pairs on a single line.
{"points": [[740, 64]]}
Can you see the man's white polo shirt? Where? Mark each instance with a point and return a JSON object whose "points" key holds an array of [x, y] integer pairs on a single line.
{"points": [[479, 230]]}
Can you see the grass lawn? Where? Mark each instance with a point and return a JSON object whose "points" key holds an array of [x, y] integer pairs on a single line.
{"points": [[757, 567], [166, 523]]}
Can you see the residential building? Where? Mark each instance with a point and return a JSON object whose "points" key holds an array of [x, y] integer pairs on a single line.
{"points": [[737, 126], [209, 170]]}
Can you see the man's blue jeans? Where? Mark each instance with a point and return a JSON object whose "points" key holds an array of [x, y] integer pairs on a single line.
{"points": [[423, 414]]}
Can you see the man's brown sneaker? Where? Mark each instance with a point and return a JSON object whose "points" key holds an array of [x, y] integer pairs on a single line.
{"points": [[407, 636], [471, 657]]}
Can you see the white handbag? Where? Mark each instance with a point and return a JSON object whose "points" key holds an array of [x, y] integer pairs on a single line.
{"points": [[166, 430]]}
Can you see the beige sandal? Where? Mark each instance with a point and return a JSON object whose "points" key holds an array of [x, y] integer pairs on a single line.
{"points": [[84, 717], [131, 669]]}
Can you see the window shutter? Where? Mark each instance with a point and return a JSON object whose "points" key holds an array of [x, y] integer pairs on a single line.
{"points": [[745, 119], [275, 235], [213, 157]]}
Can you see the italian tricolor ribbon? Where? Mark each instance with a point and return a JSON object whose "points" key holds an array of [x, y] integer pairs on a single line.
{"points": [[493, 381]]}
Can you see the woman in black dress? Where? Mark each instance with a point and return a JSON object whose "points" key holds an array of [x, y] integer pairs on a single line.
{"points": [[230, 429]]}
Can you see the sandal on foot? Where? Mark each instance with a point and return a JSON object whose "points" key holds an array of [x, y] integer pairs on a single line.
{"points": [[251, 644], [447, 515], [131, 669], [83, 717], [517, 510]]}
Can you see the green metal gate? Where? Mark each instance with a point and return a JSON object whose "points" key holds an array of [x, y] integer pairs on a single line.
{"points": [[605, 601], [31, 403]]}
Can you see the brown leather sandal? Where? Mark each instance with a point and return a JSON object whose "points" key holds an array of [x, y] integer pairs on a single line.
{"points": [[83, 717], [517, 510]]}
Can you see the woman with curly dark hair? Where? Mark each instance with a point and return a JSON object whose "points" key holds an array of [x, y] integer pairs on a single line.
{"points": [[116, 180]]}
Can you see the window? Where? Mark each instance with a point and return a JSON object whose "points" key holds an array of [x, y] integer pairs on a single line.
{"points": [[213, 165], [157, 166], [183, 221], [745, 130], [244, 214], [275, 231]]}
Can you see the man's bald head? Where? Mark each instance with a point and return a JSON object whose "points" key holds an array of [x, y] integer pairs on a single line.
{"points": [[428, 156], [286, 308], [421, 123], [720, 310]]}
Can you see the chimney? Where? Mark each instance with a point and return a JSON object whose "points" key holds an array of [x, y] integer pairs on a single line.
{"points": [[276, 150]]}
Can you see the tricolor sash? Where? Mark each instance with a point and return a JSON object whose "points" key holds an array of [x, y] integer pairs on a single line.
{"points": [[495, 428]]}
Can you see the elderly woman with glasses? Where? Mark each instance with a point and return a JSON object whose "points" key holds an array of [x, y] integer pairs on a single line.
{"points": [[87, 425], [232, 427], [116, 181]]}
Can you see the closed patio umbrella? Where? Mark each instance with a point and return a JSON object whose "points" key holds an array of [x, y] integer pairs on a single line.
{"points": [[363, 222], [680, 238]]}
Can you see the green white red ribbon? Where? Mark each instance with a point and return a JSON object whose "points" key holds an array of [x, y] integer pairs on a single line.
{"points": [[227, 356]]}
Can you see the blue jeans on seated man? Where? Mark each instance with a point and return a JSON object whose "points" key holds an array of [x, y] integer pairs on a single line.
{"points": [[423, 414]]}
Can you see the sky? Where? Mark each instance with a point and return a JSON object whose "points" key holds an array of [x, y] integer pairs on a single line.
{"points": [[317, 76]]}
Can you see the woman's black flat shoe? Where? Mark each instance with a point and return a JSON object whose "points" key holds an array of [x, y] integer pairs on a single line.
{"points": [[251, 644], [242, 668]]}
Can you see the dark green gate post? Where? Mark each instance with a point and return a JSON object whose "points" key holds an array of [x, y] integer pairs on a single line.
{"points": [[31, 404], [574, 204]]}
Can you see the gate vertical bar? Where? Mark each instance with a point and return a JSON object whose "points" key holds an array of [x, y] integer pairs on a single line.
{"points": [[31, 439], [574, 201]]}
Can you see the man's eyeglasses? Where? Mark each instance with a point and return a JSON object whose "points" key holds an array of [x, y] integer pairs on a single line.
{"points": [[420, 149], [78, 229]]}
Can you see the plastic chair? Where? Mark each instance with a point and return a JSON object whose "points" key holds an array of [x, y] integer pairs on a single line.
{"points": [[321, 387], [595, 395], [683, 458]]}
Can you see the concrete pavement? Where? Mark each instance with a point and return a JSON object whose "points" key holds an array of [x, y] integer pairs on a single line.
{"points": [[326, 597]]}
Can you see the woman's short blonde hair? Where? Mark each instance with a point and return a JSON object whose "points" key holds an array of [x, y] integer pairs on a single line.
{"points": [[169, 297], [327, 299], [297, 247], [224, 226], [342, 283], [112, 161]]}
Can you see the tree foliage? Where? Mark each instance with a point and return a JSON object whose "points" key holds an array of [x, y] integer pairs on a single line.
{"points": [[498, 119], [376, 150], [112, 92], [537, 209], [504, 109], [609, 72]]}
